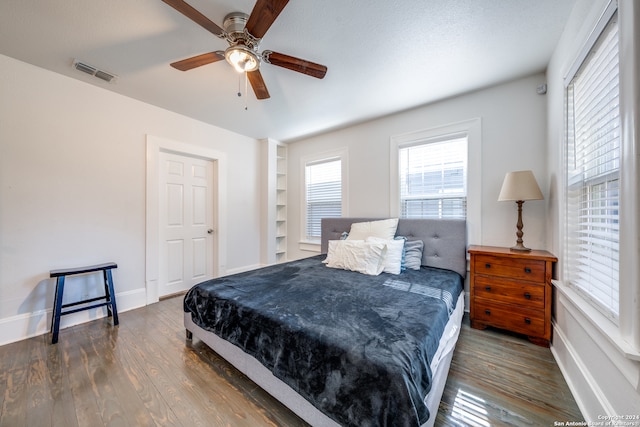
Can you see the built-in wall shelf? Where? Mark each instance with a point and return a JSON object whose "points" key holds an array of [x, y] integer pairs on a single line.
{"points": [[274, 236], [281, 202]]}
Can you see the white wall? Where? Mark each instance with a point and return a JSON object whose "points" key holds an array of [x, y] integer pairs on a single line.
{"points": [[604, 381], [513, 119], [72, 189]]}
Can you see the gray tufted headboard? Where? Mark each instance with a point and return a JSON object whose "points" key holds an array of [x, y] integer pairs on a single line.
{"points": [[445, 240]]}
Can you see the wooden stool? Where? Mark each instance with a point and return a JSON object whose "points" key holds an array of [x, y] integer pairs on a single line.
{"points": [[109, 297]]}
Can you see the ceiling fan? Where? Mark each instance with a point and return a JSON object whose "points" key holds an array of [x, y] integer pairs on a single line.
{"points": [[243, 33]]}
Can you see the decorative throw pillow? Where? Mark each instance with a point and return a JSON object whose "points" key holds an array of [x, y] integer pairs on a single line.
{"points": [[413, 254], [403, 267], [385, 229], [393, 259], [356, 255]]}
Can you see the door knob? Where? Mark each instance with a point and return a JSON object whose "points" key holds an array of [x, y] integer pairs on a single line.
{"points": [[210, 231]]}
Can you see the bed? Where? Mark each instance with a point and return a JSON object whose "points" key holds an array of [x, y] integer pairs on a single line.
{"points": [[368, 358]]}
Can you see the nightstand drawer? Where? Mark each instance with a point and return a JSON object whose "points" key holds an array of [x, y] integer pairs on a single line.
{"points": [[513, 268], [509, 291], [525, 321]]}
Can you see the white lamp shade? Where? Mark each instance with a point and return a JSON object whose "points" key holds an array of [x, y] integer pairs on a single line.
{"points": [[520, 185]]}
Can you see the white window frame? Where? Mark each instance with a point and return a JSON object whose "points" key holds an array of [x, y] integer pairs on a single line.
{"points": [[625, 336], [472, 130], [341, 154], [585, 190]]}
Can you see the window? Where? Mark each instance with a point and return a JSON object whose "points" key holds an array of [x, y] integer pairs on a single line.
{"points": [[452, 148], [593, 173], [433, 179], [323, 194]]}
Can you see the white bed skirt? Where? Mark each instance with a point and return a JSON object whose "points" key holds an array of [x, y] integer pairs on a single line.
{"points": [[253, 369]]}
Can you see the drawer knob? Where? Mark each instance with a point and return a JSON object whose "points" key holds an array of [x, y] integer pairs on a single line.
{"points": [[487, 265], [527, 270], [527, 295], [487, 288], [487, 312], [527, 320]]}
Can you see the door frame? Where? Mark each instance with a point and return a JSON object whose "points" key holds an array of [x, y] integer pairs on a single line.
{"points": [[155, 145]]}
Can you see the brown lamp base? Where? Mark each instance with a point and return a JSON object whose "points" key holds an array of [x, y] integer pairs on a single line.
{"points": [[519, 246]]}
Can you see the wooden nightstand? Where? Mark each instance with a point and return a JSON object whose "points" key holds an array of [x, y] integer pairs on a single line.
{"points": [[512, 290]]}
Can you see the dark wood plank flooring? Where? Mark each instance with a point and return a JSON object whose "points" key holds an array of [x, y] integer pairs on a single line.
{"points": [[502, 379], [141, 373]]}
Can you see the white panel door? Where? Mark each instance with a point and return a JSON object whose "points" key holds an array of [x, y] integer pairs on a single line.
{"points": [[186, 222]]}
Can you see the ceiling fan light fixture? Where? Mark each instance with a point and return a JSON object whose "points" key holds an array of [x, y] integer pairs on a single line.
{"points": [[244, 60]]}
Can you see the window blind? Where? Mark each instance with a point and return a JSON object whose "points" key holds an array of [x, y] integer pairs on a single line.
{"points": [[593, 174], [323, 181], [433, 179]]}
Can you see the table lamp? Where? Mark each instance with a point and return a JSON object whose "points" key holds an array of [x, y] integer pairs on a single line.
{"points": [[520, 186]]}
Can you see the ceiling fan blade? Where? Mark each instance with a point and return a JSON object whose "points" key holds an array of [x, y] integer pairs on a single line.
{"points": [[191, 13], [295, 64], [263, 15], [199, 60], [258, 85]]}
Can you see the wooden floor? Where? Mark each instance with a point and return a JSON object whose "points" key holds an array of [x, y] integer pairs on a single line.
{"points": [[498, 379], [141, 373]]}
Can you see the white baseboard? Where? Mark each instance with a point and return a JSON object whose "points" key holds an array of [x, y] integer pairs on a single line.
{"points": [[564, 356], [603, 376], [243, 269], [589, 396], [29, 325]]}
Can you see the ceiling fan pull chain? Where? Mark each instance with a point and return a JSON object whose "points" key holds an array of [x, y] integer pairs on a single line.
{"points": [[239, 83], [246, 90]]}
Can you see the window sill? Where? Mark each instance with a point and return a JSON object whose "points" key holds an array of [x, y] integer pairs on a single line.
{"points": [[598, 321], [309, 246]]}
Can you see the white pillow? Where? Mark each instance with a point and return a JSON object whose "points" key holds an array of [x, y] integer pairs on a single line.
{"points": [[356, 255], [393, 260], [385, 229]]}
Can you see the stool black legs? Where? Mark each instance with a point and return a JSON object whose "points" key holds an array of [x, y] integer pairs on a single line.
{"points": [[109, 298], [112, 311], [57, 309]]}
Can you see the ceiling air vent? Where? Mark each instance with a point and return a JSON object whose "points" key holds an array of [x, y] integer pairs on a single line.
{"points": [[101, 74]]}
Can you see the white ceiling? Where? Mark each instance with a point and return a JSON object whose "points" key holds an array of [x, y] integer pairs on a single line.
{"points": [[383, 56]]}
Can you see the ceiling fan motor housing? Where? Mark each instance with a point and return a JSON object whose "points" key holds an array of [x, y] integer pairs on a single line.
{"points": [[234, 24]]}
